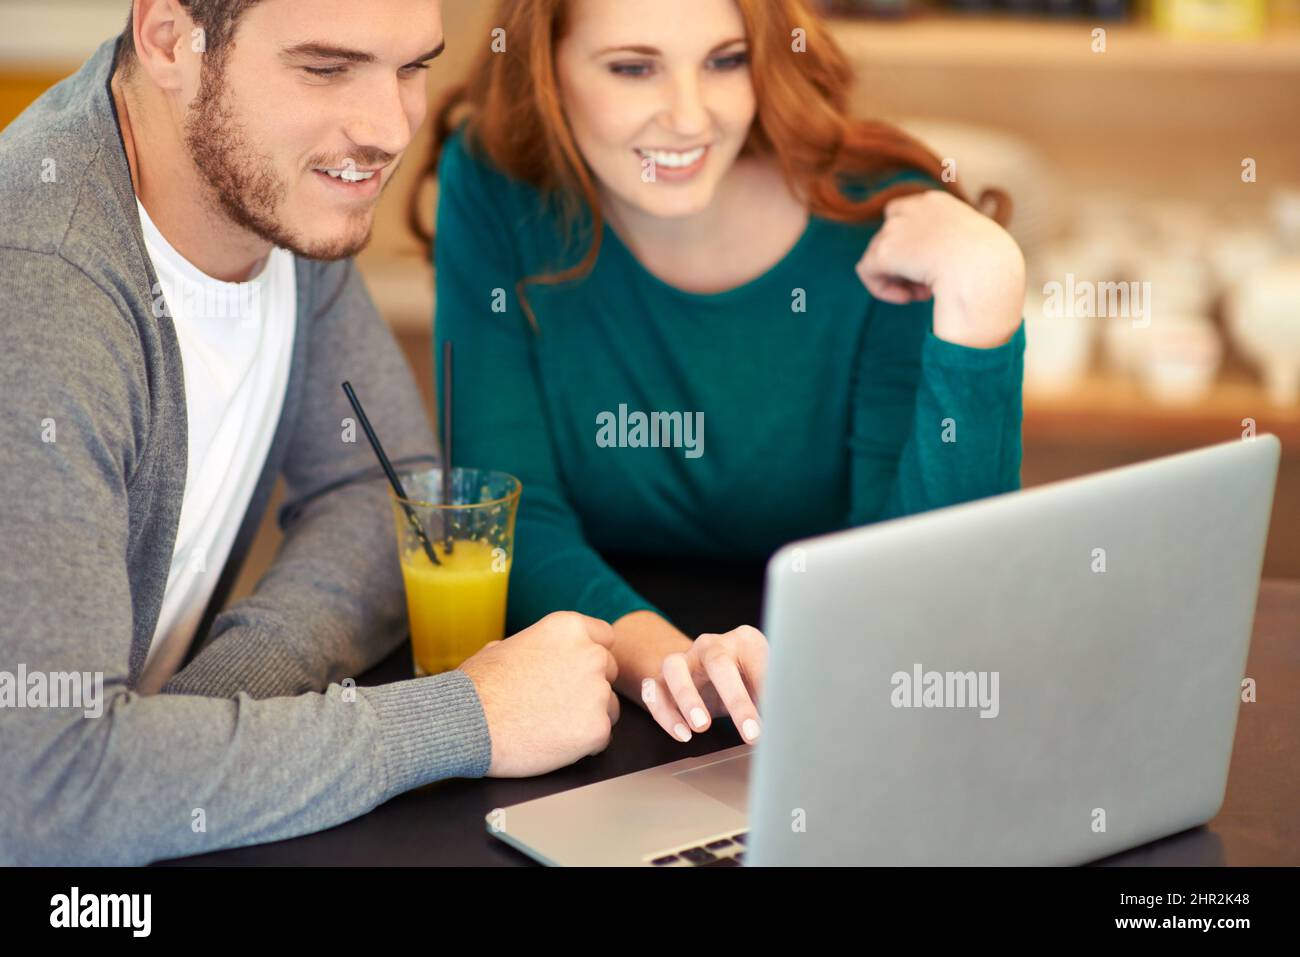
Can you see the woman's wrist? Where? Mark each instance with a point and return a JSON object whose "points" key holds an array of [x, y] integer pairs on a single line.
{"points": [[642, 639], [980, 305]]}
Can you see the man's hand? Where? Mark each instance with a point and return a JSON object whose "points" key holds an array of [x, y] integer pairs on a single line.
{"points": [[547, 694]]}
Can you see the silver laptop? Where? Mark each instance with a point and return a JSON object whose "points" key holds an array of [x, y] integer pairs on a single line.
{"points": [[1043, 677]]}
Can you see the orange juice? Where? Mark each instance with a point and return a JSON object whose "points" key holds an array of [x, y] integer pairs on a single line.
{"points": [[457, 607]]}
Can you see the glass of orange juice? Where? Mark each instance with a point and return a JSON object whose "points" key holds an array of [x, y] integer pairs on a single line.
{"points": [[457, 604]]}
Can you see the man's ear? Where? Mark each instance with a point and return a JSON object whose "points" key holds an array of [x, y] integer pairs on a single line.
{"points": [[168, 46]]}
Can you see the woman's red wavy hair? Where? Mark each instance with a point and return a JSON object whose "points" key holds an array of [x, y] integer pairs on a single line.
{"points": [[510, 105]]}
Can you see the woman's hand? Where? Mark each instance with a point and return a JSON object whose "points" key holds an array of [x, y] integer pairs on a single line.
{"points": [[933, 244], [718, 675]]}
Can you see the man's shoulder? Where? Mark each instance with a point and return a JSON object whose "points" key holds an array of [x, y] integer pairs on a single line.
{"points": [[67, 256], [57, 194]]}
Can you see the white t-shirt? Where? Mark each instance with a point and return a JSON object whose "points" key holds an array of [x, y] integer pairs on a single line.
{"points": [[236, 342]]}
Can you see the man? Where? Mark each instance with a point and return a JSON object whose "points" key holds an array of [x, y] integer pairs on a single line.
{"points": [[179, 310]]}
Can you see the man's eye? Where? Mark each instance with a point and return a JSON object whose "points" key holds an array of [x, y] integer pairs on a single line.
{"points": [[325, 71], [414, 68], [630, 69], [731, 61]]}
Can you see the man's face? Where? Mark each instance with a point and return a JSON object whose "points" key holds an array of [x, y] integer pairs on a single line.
{"points": [[300, 123]]}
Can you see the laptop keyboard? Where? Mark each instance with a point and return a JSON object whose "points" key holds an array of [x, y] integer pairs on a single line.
{"points": [[722, 852]]}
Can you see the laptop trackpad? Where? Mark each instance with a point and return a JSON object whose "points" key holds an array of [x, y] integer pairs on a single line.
{"points": [[726, 781]]}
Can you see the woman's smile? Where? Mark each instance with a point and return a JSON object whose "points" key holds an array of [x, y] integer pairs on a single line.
{"points": [[673, 165]]}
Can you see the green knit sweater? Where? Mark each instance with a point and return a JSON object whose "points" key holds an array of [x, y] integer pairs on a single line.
{"points": [[647, 419]]}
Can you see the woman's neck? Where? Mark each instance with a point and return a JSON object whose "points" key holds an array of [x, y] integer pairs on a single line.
{"points": [[734, 239], [645, 232]]}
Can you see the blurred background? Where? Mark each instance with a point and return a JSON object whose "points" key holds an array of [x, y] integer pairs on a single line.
{"points": [[1151, 149]]}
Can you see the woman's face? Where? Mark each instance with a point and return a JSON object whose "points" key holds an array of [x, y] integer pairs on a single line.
{"points": [[659, 98]]}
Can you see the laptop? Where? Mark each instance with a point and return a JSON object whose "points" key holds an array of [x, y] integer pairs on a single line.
{"points": [[1047, 676]]}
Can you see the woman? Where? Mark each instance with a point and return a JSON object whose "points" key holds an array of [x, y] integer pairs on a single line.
{"points": [[679, 319]]}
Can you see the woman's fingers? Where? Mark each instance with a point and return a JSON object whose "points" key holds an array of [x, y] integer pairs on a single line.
{"points": [[889, 287], [888, 290], [659, 703], [734, 667], [881, 278], [751, 651], [677, 675], [917, 290], [724, 672], [893, 266]]}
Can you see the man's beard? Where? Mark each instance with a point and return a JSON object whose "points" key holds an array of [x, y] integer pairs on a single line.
{"points": [[244, 182]]}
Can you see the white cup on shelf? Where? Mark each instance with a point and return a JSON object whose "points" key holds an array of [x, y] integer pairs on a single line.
{"points": [[1181, 281], [1284, 205], [1181, 358], [1058, 348], [1241, 250], [1263, 319]]}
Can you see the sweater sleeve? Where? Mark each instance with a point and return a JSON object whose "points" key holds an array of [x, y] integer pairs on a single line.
{"points": [[501, 419], [137, 778], [933, 423]]}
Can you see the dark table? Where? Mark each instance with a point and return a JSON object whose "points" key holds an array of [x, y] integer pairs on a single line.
{"points": [[443, 823]]}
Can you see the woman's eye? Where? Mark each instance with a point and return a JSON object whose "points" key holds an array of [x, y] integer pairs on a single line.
{"points": [[629, 69], [730, 61]]}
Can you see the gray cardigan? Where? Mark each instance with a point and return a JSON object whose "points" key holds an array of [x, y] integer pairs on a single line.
{"points": [[255, 739]]}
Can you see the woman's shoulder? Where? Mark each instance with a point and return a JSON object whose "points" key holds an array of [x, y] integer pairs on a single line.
{"points": [[466, 168], [862, 186], [464, 162], [474, 191]]}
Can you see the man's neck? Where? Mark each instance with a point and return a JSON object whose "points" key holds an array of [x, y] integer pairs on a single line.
{"points": [[171, 188]]}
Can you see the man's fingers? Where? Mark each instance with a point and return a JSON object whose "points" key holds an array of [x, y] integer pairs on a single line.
{"points": [[725, 675], [611, 712], [601, 632]]}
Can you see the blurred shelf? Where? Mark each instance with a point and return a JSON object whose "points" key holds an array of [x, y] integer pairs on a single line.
{"points": [[57, 35], [1014, 43], [402, 290], [1105, 409]]}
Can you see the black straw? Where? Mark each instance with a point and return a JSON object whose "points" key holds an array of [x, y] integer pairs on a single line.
{"points": [[388, 470], [446, 435]]}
